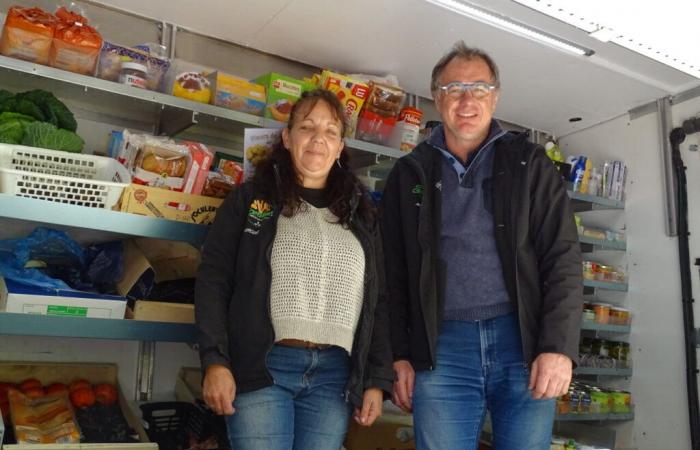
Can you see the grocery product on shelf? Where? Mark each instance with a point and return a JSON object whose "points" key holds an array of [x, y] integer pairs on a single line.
{"points": [[28, 34], [584, 398], [607, 181], [602, 272], [133, 74], [43, 419], [282, 92], [115, 58], [192, 86], [406, 133], [165, 204], [351, 93], [76, 45], [379, 113], [237, 93], [603, 353]]}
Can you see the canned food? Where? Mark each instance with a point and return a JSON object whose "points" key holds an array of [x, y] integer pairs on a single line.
{"points": [[619, 316], [599, 401], [604, 273], [589, 315], [588, 271], [620, 401]]}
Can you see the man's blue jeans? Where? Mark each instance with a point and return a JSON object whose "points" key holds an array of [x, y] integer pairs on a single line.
{"points": [[480, 365], [304, 410]]}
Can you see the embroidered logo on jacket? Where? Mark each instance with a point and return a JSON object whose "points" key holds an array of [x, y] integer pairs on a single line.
{"points": [[258, 212]]}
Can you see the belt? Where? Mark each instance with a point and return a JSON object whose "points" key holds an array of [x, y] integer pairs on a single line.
{"points": [[303, 344]]}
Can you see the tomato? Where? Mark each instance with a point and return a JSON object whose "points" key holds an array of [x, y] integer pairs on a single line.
{"points": [[77, 384], [54, 388], [29, 383], [34, 392], [82, 397], [106, 394]]}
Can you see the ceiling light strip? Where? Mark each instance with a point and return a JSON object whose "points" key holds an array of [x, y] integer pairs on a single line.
{"points": [[508, 24]]}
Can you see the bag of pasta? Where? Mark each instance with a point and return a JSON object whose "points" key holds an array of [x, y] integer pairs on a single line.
{"points": [[28, 34]]}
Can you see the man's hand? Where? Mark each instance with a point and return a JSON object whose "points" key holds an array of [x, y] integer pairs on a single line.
{"points": [[219, 389], [403, 386], [550, 375], [371, 407]]}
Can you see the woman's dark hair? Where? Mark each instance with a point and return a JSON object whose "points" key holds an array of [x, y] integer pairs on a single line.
{"points": [[276, 179]]}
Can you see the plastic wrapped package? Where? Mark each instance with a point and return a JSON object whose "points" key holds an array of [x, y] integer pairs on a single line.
{"points": [[28, 34], [113, 55], [76, 45], [48, 419], [380, 113]]}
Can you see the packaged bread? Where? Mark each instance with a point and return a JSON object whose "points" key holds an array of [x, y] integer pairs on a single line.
{"points": [[162, 165], [28, 34], [48, 419], [76, 45]]}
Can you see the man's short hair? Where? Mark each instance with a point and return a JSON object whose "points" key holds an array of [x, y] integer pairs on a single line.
{"points": [[461, 50]]}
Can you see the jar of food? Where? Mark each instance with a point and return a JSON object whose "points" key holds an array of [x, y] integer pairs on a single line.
{"points": [[602, 312], [604, 273], [625, 353], [617, 353], [584, 405], [620, 401], [599, 401], [619, 316], [134, 74], [589, 315], [588, 273], [585, 347]]}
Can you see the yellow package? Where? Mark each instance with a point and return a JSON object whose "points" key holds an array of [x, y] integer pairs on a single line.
{"points": [[351, 93], [48, 419]]}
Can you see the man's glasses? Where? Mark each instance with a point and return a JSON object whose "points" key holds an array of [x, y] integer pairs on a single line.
{"points": [[456, 89]]}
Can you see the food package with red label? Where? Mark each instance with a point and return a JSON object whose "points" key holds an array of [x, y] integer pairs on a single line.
{"points": [[28, 34], [200, 161], [380, 112], [48, 419], [351, 93], [76, 45]]}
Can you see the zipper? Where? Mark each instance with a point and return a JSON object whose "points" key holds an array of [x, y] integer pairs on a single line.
{"points": [[421, 240]]}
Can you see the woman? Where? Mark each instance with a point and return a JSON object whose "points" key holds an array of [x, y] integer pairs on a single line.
{"points": [[293, 329]]}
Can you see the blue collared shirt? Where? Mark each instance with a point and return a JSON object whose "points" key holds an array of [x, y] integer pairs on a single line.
{"points": [[437, 140]]}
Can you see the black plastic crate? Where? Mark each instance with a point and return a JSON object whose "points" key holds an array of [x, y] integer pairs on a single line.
{"points": [[181, 425]]}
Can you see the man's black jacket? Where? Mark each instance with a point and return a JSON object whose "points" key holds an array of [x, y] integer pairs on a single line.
{"points": [[232, 298], [536, 239]]}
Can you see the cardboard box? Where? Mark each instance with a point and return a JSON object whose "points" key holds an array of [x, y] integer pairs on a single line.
{"points": [[392, 431], [163, 311], [19, 298], [155, 202], [352, 95], [15, 372], [237, 93], [188, 384], [282, 93], [201, 159]]}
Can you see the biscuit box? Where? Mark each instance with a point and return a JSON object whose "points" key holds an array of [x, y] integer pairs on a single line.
{"points": [[237, 93], [156, 202], [282, 93]]}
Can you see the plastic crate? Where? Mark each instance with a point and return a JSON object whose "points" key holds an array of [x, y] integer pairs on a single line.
{"points": [[76, 179], [172, 424]]}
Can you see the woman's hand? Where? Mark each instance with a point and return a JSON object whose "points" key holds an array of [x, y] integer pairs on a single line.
{"points": [[219, 389], [371, 407]]}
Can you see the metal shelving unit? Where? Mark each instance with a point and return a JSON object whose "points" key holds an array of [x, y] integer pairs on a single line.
{"points": [[83, 327], [603, 372], [594, 202], [591, 417], [595, 326], [603, 244], [99, 219], [609, 285]]}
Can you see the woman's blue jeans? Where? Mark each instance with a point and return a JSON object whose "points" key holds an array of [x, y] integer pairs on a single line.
{"points": [[480, 366], [304, 410]]}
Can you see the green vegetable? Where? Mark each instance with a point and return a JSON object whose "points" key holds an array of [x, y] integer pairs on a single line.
{"points": [[52, 109], [46, 135], [12, 127]]}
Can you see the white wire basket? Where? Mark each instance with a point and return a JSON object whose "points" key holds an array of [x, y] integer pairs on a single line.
{"points": [[63, 177]]}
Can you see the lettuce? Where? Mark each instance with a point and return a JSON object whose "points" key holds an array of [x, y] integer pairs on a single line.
{"points": [[45, 135]]}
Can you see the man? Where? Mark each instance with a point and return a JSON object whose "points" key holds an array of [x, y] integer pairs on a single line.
{"points": [[483, 272]]}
